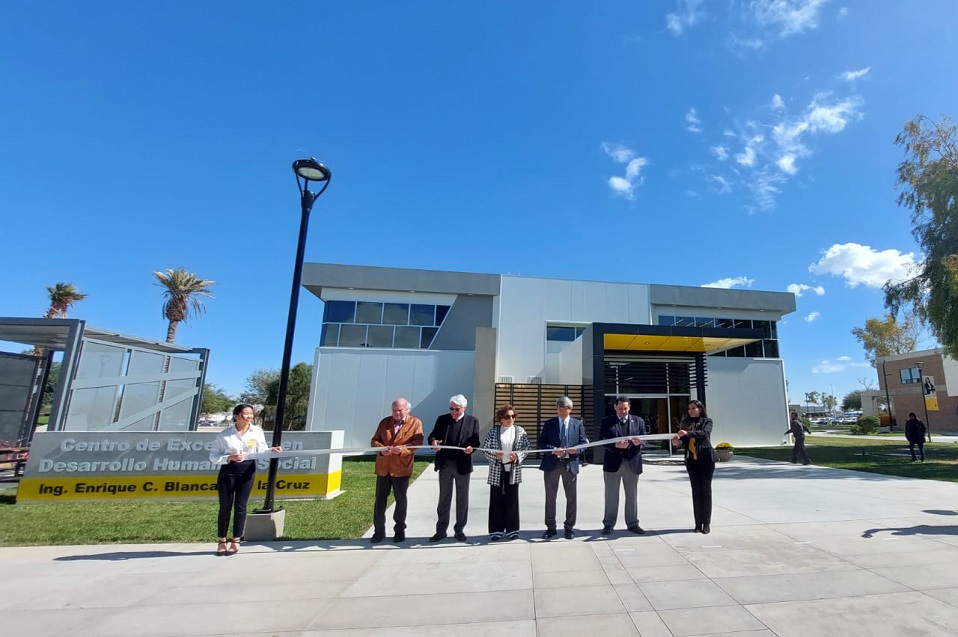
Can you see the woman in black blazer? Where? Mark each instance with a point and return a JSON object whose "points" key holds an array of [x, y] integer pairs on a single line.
{"points": [[695, 437]]}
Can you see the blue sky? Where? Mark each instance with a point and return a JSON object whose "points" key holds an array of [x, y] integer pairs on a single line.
{"points": [[743, 144]]}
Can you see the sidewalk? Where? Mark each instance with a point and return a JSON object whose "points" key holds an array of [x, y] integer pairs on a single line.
{"points": [[793, 551]]}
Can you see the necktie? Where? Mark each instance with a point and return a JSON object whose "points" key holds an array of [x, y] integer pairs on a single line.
{"points": [[565, 434]]}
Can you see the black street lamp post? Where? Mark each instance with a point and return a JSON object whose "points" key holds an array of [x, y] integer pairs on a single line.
{"points": [[924, 401], [306, 170]]}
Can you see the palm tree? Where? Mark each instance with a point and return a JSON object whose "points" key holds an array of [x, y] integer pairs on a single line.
{"points": [[62, 297], [183, 293]]}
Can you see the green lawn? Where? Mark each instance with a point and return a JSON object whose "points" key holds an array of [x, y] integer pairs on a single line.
{"points": [[345, 517], [873, 456]]}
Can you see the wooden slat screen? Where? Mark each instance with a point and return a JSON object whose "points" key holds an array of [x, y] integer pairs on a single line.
{"points": [[536, 403]]}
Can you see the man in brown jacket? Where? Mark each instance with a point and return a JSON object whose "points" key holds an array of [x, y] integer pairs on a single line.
{"points": [[394, 466]]}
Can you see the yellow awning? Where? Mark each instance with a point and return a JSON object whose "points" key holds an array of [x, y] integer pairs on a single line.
{"points": [[649, 343]]}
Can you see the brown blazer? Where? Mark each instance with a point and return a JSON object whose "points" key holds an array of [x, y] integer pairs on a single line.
{"points": [[409, 434]]}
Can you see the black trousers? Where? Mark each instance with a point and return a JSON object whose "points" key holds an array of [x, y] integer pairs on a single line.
{"points": [[234, 484], [504, 506], [398, 486], [921, 448], [799, 450], [449, 480], [700, 476]]}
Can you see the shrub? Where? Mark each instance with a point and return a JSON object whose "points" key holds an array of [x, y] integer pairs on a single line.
{"points": [[724, 446], [866, 425]]}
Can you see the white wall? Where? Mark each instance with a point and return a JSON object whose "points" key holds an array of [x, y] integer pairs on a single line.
{"points": [[353, 390], [526, 305], [752, 390]]}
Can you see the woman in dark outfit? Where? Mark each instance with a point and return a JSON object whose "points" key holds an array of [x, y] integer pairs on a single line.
{"points": [[235, 481], [511, 445], [695, 437]]}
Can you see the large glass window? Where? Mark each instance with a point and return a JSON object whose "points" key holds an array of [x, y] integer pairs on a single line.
{"points": [[339, 312], [422, 314], [396, 313], [374, 324], [369, 312], [565, 334], [910, 376], [766, 348]]}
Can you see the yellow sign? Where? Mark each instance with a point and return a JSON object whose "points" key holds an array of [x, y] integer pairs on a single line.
{"points": [[49, 488], [931, 393]]}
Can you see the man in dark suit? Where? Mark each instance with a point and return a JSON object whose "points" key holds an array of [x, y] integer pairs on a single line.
{"points": [[559, 434], [455, 429], [622, 464]]}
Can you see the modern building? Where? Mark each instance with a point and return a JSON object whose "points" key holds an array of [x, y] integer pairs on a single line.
{"points": [[427, 335], [921, 382]]}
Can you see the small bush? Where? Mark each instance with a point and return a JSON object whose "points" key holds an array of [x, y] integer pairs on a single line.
{"points": [[724, 446], [866, 425]]}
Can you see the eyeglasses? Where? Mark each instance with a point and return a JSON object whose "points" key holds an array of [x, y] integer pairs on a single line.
{"points": [[455, 409], [509, 417]]}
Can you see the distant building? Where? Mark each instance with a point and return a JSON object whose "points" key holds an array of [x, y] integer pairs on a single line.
{"points": [[914, 381], [428, 335]]}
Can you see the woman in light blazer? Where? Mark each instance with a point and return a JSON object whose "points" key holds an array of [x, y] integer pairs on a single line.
{"points": [[511, 445]]}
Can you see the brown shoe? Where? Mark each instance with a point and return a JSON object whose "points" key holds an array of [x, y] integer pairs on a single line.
{"points": [[221, 546], [234, 547]]}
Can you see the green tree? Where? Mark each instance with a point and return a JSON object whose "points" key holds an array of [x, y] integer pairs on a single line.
{"points": [[811, 398], [887, 336], [215, 400], [258, 386], [297, 396], [829, 402], [852, 400], [928, 182], [63, 296], [183, 292]]}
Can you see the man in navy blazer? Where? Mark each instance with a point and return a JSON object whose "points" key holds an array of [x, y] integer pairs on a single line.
{"points": [[559, 434], [622, 464]]}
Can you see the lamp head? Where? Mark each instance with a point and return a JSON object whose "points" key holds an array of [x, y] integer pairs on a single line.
{"points": [[311, 170]]}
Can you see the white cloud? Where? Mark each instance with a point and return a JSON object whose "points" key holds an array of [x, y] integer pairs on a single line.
{"points": [[851, 76], [788, 17], [742, 45], [861, 265], [747, 157], [625, 186], [725, 284], [842, 13], [812, 316], [841, 364], [777, 102], [786, 164], [688, 13], [723, 184], [720, 152], [693, 123], [798, 289]]}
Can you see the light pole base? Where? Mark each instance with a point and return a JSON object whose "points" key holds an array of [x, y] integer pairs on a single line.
{"points": [[265, 526]]}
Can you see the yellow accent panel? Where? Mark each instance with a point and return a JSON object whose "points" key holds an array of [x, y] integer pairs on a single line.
{"points": [[931, 403], [648, 343], [169, 487]]}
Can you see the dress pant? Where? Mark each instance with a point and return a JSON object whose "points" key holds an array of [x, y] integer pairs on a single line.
{"points": [[504, 506], [700, 475], [234, 484], [449, 477], [568, 478], [921, 448], [630, 482], [398, 485], [799, 450]]}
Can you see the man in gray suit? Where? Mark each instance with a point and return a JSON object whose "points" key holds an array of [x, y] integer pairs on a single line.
{"points": [[622, 464], [559, 435]]}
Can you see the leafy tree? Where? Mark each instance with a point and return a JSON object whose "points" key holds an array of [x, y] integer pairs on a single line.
{"points": [[297, 396], [63, 296], [829, 402], [215, 400], [53, 378], [258, 385], [887, 336], [811, 398], [184, 292], [928, 182], [852, 400]]}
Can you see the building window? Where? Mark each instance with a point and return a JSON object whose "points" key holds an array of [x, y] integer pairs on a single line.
{"points": [[766, 348], [373, 324], [564, 334], [910, 376]]}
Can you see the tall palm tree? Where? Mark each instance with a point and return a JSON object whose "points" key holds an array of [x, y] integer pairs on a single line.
{"points": [[62, 297], [184, 292]]}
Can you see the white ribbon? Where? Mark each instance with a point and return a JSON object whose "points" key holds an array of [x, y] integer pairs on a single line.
{"points": [[360, 450]]}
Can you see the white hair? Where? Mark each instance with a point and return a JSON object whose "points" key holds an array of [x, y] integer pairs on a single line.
{"points": [[459, 400]]}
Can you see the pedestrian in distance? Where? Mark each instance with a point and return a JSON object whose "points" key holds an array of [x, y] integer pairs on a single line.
{"points": [[915, 435], [798, 432], [455, 429], [695, 436], [508, 446], [235, 480]]}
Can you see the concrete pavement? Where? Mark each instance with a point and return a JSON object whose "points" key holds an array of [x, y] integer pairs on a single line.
{"points": [[794, 550]]}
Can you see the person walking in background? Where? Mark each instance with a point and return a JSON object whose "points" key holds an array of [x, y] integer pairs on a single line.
{"points": [[695, 436], [798, 432], [510, 444], [915, 435], [394, 467], [559, 435], [455, 429], [235, 480], [622, 465]]}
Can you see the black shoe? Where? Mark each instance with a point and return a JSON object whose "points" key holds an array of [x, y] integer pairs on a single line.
{"points": [[606, 530], [706, 529], [495, 537], [638, 530], [377, 538], [698, 529], [549, 534], [399, 537], [569, 534], [460, 537], [809, 462], [437, 537]]}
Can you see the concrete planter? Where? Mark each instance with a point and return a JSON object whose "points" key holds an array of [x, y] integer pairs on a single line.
{"points": [[724, 455]]}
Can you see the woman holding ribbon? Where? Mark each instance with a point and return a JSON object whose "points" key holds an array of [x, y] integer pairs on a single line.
{"points": [[235, 481], [694, 435], [508, 445]]}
